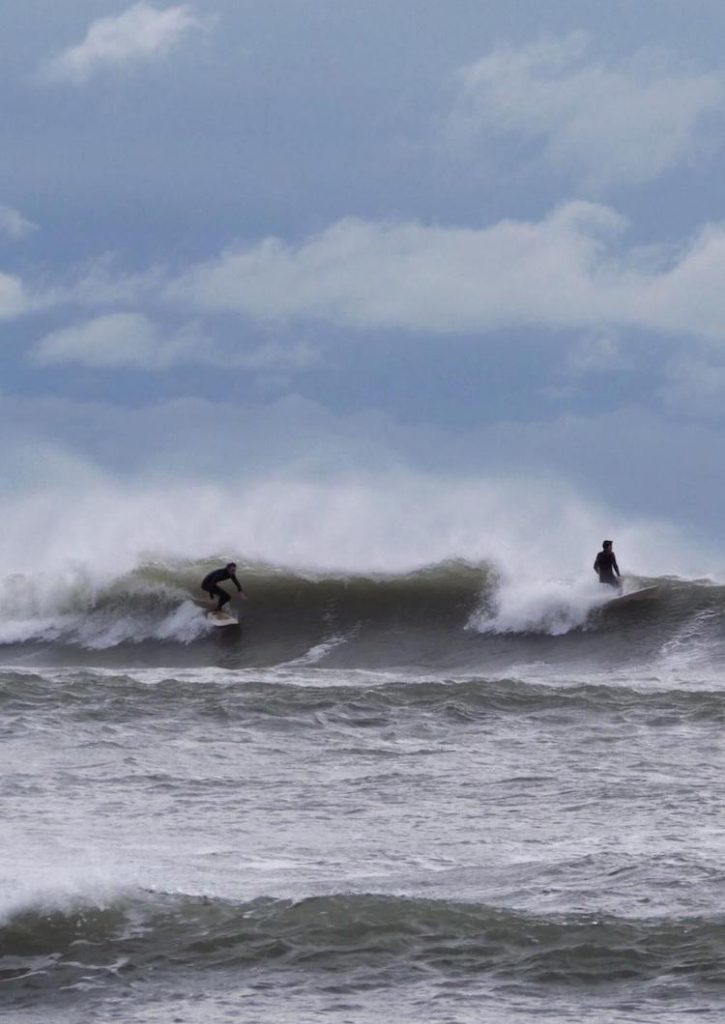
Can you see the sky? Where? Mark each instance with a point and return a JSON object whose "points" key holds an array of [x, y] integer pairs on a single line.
{"points": [[471, 244]]}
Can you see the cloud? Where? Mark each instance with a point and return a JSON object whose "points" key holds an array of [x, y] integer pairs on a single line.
{"points": [[622, 123], [567, 271], [13, 300], [134, 341], [13, 224], [140, 33], [101, 282], [407, 275], [121, 340]]}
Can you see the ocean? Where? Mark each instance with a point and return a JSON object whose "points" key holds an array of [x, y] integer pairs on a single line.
{"points": [[407, 796]]}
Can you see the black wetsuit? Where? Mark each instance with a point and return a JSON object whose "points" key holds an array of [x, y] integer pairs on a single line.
{"points": [[605, 564], [211, 582]]}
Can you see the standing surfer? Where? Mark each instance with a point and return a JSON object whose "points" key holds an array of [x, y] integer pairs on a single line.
{"points": [[211, 582], [605, 565]]}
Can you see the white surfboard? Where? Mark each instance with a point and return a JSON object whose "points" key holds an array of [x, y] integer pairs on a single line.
{"points": [[221, 619]]}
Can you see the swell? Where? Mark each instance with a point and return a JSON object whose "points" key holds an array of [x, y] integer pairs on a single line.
{"points": [[116, 698], [362, 939]]}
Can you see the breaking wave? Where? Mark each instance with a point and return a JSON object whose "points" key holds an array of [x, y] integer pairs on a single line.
{"points": [[449, 614]]}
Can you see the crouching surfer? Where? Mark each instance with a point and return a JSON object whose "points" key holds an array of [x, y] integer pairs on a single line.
{"points": [[210, 584], [605, 565]]}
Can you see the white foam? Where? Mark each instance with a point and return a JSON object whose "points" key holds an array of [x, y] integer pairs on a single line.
{"points": [[289, 673], [541, 606], [319, 651], [55, 878], [100, 630]]}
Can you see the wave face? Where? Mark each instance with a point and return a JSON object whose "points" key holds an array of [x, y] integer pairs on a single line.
{"points": [[57, 955], [453, 615], [159, 602]]}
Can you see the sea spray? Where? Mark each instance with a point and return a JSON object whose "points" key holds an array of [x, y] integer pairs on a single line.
{"points": [[389, 525]]}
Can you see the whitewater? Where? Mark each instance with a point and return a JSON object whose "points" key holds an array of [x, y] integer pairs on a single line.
{"points": [[434, 774]]}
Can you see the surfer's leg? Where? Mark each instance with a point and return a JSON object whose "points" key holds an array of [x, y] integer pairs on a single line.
{"points": [[215, 593]]}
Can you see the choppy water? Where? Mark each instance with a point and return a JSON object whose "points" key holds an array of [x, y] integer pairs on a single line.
{"points": [[415, 798]]}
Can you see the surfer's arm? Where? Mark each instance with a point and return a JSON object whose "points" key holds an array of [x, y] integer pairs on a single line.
{"points": [[238, 585], [616, 567]]}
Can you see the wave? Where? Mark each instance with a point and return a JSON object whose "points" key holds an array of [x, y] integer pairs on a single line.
{"points": [[438, 613], [371, 698], [163, 602], [359, 939]]}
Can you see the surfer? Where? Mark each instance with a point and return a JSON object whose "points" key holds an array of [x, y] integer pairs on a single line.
{"points": [[211, 582], [605, 565]]}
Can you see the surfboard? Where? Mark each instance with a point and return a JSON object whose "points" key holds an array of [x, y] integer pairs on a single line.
{"points": [[221, 619], [643, 594]]}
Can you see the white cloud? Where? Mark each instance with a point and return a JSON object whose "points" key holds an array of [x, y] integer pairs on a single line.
{"points": [[121, 340], [13, 224], [134, 341], [567, 271], [13, 300], [141, 32], [570, 271], [619, 123], [408, 275]]}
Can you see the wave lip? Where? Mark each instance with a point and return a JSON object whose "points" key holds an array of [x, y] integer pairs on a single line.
{"points": [[364, 940]]}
